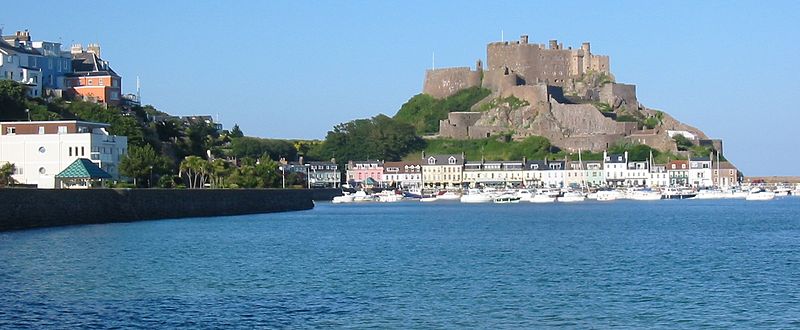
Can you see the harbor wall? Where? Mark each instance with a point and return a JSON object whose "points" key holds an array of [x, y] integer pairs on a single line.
{"points": [[32, 208]]}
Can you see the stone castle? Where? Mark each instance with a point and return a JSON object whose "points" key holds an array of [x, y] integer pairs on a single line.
{"points": [[567, 95]]}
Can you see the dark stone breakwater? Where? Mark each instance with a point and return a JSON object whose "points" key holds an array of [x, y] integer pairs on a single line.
{"points": [[33, 208]]}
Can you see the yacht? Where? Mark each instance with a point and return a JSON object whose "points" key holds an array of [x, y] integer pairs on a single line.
{"points": [[644, 195], [448, 196], [542, 198], [389, 196], [346, 198], [759, 194], [572, 196], [607, 195], [476, 196], [678, 193], [362, 196], [506, 198]]}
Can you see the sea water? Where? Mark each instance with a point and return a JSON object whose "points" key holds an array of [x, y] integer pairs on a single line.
{"points": [[676, 264]]}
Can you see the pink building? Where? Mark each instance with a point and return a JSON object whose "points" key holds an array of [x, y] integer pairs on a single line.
{"points": [[358, 171]]}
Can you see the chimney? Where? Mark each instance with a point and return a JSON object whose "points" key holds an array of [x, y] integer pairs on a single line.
{"points": [[76, 49], [94, 48], [523, 39]]}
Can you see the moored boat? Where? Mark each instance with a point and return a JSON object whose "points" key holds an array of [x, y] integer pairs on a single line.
{"points": [[759, 194], [678, 193], [506, 199], [572, 196], [608, 195]]}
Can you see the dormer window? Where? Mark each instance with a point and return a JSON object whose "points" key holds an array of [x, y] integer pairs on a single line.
{"points": [[451, 160], [431, 161]]}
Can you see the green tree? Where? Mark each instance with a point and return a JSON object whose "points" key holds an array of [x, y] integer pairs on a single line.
{"points": [[142, 163], [380, 137], [236, 132], [6, 171], [424, 111], [196, 169], [682, 142], [220, 169]]}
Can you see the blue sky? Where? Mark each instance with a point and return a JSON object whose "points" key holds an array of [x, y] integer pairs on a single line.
{"points": [[290, 69]]}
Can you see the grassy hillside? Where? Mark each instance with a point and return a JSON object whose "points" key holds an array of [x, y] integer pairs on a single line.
{"points": [[424, 111]]}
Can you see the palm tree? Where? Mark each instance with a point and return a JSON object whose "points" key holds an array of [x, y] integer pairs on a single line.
{"points": [[6, 171], [219, 170], [193, 166]]}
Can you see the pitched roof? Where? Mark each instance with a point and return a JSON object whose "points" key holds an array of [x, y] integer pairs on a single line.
{"points": [[83, 168], [89, 63], [11, 49], [444, 159]]}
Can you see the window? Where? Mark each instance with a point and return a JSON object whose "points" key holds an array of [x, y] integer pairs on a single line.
{"points": [[42, 170], [11, 130], [42, 150], [41, 129], [70, 151], [451, 160], [90, 82], [100, 82], [82, 152], [62, 129]]}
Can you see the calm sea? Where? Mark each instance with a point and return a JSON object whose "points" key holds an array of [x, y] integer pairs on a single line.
{"points": [[675, 264]]}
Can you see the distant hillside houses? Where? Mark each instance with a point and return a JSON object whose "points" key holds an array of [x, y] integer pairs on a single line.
{"points": [[50, 71], [615, 170]]}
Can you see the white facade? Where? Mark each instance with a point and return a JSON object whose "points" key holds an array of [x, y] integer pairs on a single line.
{"points": [[40, 155], [700, 173], [16, 66], [637, 174]]}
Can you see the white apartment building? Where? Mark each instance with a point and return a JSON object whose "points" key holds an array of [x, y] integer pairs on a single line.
{"points": [[41, 149], [700, 172]]}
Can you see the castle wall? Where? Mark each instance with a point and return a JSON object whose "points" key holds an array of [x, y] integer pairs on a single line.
{"points": [[593, 143], [585, 119], [458, 124], [441, 83], [617, 95]]}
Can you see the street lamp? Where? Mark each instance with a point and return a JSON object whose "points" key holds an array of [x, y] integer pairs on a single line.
{"points": [[283, 177], [308, 175], [28, 112]]}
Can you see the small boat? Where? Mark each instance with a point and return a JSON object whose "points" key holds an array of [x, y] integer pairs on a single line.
{"points": [[476, 196], [759, 194], [542, 197], [389, 196], [524, 194], [607, 195], [506, 199], [346, 198], [448, 196], [572, 196], [782, 191], [362, 196], [678, 193], [644, 195]]}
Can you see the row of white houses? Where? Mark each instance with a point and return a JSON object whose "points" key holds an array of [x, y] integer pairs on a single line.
{"points": [[454, 171]]}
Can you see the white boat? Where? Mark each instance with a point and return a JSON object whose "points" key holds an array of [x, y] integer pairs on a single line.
{"points": [[571, 197], [644, 195], [796, 192], [759, 194], [782, 191], [346, 198], [678, 193], [389, 196], [476, 196], [449, 196], [542, 198], [428, 199], [608, 195], [524, 195], [506, 199], [710, 194], [362, 196], [592, 195]]}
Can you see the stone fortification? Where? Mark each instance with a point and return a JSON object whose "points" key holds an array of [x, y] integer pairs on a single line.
{"points": [[441, 83], [31, 208], [570, 94]]}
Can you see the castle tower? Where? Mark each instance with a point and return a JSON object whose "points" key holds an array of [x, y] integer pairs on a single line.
{"points": [[523, 39], [76, 49], [479, 65]]}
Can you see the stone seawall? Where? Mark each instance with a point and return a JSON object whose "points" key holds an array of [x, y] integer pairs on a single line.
{"points": [[31, 208]]}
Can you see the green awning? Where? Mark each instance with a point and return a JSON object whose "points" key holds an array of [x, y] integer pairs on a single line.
{"points": [[83, 168]]}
